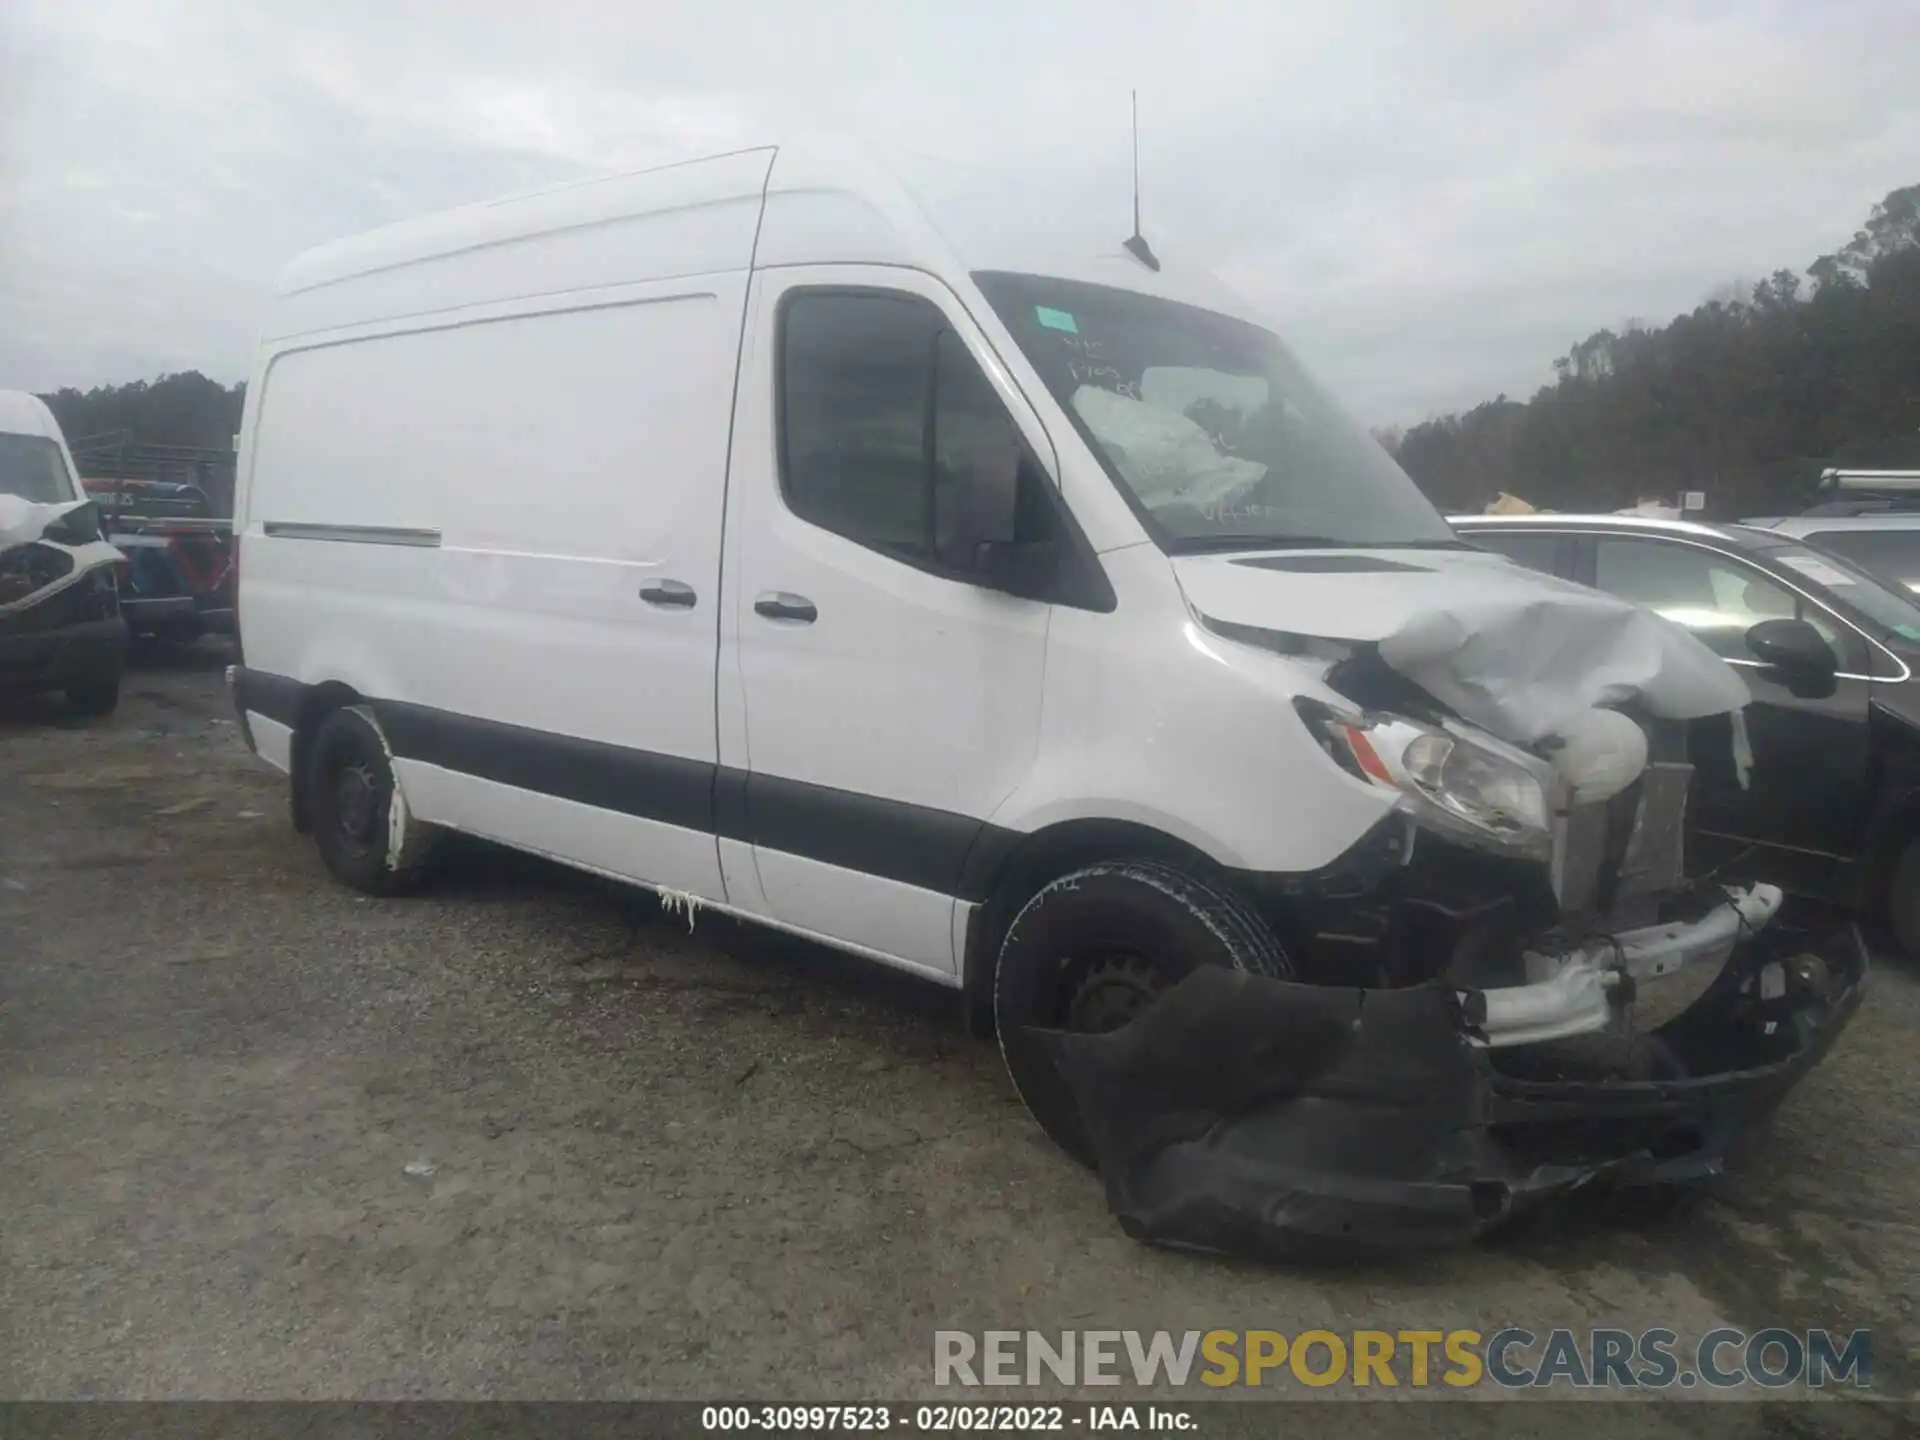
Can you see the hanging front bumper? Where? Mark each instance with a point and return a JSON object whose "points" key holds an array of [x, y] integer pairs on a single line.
{"points": [[1250, 1115]]}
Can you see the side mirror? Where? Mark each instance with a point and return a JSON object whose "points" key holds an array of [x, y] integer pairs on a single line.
{"points": [[1794, 648], [1026, 568]]}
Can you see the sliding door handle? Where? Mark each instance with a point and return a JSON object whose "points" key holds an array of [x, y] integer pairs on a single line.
{"points": [[779, 605], [671, 593]]}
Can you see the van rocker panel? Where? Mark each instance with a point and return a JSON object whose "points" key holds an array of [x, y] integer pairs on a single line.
{"points": [[954, 855]]}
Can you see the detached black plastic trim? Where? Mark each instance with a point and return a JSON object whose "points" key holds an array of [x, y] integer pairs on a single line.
{"points": [[1248, 1115]]}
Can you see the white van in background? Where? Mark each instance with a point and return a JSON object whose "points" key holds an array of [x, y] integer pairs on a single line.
{"points": [[60, 622], [947, 584]]}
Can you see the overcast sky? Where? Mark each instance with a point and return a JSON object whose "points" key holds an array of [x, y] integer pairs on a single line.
{"points": [[1437, 196]]}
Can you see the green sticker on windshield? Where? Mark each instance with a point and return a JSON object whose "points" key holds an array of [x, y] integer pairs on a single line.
{"points": [[1056, 319], [1912, 632]]}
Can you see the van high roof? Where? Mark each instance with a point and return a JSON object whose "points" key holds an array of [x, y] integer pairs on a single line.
{"points": [[825, 202], [22, 413]]}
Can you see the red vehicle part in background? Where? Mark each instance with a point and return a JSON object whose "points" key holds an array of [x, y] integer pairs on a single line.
{"points": [[180, 571]]}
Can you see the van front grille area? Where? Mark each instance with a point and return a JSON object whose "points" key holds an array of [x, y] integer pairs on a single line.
{"points": [[27, 568], [1628, 848]]}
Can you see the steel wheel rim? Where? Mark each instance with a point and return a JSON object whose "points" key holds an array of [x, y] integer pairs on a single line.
{"points": [[357, 805]]}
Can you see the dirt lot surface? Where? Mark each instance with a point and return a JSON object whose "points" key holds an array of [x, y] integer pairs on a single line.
{"points": [[525, 1136]]}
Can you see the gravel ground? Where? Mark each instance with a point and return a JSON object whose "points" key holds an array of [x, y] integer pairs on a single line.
{"points": [[524, 1136]]}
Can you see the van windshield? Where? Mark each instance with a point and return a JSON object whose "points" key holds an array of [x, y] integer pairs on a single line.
{"points": [[1215, 433], [32, 467]]}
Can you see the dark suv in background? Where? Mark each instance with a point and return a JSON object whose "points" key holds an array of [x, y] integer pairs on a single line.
{"points": [[1831, 810]]}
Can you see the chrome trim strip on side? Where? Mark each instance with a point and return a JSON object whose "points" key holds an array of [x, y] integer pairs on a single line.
{"points": [[1838, 674], [1598, 523], [1676, 532], [353, 534]]}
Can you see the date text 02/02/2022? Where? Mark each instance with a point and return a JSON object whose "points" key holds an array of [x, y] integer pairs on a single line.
{"points": [[939, 1419]]}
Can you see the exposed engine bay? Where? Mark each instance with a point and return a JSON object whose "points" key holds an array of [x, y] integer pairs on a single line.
{"points": [[1535, 736], [1546, 882]]}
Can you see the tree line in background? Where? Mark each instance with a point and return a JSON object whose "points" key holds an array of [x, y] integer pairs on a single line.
{"points": [[1745, 399], [184, 409]]}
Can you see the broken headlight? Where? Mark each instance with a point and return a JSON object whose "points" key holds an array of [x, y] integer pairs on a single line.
{"points": [[1475, 790], [1486, 790]]}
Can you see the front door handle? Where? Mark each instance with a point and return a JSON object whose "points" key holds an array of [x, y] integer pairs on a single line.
{"points": [[668, 592], [779, 605]]}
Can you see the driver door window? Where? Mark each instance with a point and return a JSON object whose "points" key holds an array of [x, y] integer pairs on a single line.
{"points": [[1715, 596], [892, 437]]}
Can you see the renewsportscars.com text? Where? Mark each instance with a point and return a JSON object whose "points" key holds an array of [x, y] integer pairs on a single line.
{"points": [[1512, 1357]]}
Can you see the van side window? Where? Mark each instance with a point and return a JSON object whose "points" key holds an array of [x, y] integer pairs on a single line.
{"points": [[892, 436]]}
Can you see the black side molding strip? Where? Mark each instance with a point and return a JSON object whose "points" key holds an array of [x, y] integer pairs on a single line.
{"points": [[667, 788], [352, 534], [915, 845], [889, 839], [273, 696]]}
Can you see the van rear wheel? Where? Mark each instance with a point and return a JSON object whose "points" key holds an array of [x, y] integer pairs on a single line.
{"points": [[360, 820], [1091, 951]]}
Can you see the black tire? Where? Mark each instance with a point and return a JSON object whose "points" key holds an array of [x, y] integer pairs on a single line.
{"points": [[1902, 909], [1094, 947], [350, 795], [97, 695]]}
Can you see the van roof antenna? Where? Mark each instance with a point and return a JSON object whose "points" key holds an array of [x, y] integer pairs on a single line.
{"points": [[1136, 244]]}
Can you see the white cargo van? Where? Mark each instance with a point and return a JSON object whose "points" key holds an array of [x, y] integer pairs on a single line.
{"points": [[949, 583], [60, 622]]}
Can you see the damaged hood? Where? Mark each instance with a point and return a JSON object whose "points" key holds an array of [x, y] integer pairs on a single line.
{"points": [[25, 523], [1516, 652]]}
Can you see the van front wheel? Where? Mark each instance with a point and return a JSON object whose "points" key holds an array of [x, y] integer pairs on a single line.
{"points": [[360, 819], [1093, 949]]}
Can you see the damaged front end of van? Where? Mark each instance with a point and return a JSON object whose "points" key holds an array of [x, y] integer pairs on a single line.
{"points": [[1507, 990], [60, 625]]}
